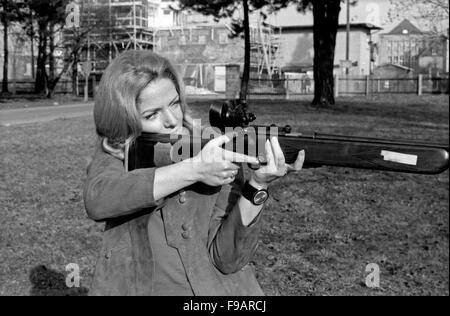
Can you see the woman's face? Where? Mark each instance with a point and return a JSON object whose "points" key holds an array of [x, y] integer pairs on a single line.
{"points": [[160, 108]]}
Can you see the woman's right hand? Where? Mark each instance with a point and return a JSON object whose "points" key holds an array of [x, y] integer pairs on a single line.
{"points": [[214, 165]]}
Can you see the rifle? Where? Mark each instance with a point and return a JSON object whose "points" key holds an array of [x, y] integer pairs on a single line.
{"points": [[320, 149]]}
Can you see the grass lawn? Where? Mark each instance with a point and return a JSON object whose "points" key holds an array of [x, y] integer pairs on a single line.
{"points": [[321, 228], [23, 101]]}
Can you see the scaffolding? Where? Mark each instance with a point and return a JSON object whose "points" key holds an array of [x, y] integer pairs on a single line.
{"points": [[265, 48], [116, 26]]}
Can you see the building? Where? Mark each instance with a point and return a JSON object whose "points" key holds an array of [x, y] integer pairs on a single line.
{"points": [[408, 46], [115, 26], [393, 71], [201, 51], [297, 52], [167, 14]]}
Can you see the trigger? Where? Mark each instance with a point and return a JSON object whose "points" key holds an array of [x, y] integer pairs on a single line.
{"points": [[256, 166]]}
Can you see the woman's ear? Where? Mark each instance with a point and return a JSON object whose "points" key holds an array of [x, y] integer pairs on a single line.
{"points": [[115, 152]]}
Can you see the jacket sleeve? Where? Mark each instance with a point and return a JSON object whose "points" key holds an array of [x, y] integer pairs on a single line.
{"points": [[110, 191], [231, 244]]}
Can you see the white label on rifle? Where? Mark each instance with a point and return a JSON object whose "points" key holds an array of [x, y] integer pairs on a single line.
{"points": [[399, 157]]}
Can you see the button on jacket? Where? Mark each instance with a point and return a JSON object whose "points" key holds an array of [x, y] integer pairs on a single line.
{"points": [[202, 222]]}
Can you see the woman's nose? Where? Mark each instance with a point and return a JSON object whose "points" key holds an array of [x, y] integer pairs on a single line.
{"points": [[170, 121]]}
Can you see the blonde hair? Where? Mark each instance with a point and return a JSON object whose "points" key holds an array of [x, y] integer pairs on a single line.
{"points": [[116, 113]]}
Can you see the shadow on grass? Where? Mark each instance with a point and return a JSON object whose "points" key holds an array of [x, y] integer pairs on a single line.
{"points": [[21, 101], [48, 282], [8, 97]]}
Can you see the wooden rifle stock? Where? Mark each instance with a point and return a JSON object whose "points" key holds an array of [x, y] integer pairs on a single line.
{"points": [[320, 150]]}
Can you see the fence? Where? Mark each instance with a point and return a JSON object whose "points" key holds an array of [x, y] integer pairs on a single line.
{"points": [[348, 86], [26, 86], [289, 88], [372, 85], [64, 86]]}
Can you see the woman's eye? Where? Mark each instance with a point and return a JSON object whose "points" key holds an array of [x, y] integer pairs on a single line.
{"points": [[175, 105], [150, 116]]}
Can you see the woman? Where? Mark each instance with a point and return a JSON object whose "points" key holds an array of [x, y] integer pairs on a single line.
{"points": [[181, 229]]}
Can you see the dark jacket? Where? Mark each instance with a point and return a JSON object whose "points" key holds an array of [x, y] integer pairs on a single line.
{"points": [[205, 227]]}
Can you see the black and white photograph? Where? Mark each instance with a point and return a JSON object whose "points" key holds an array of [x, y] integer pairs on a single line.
{"points": [[224, 151]]}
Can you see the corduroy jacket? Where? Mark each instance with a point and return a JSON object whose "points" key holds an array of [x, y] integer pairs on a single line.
{"points": [[202, 222]]}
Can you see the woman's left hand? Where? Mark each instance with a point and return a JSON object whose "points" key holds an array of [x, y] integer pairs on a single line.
{"points": [[276, 165]]}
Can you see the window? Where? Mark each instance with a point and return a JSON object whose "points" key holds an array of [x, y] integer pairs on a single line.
{"points": [[167, 11], [394, 48], [183, 40], [389, 47], [223, 38], [413, 48], [395, 59], [172, 41], [390, 59], [179, 18], [434, 51], [202, 39]]}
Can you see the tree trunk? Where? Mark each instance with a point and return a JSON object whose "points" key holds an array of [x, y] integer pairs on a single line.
{"points": [[326, 22], [31, 34], [74, 73], [33, 72], [246, 74], [53, 83], [5, 52], [52, 62], [41, 74]]}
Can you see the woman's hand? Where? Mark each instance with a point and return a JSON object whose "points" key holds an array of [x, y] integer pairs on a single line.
{"points": [[276, 165], [214, 164]]}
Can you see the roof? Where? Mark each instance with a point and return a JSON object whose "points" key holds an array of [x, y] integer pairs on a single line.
{"points": [[300, 68], [405, 28], [367, 26], [396, 66]]}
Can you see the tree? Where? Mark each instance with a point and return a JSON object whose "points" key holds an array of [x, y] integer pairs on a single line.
{"points": [[50, 17], [9, 13], [94, 18], [431, 14], [326, 21], [30, 31], [227, 9]]}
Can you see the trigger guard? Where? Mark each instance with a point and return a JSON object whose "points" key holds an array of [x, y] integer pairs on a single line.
{"points": [[254, 167]]}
